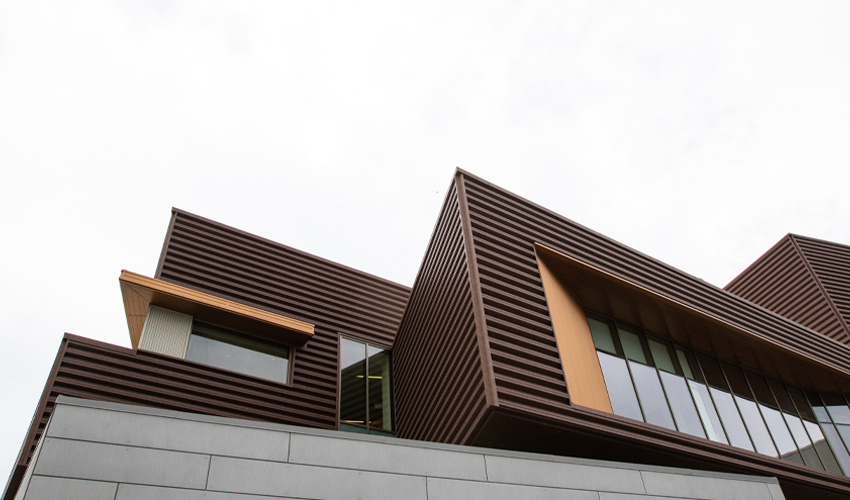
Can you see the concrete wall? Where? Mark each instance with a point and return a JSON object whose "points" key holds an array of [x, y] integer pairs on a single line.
{"points": [[94, 450]]}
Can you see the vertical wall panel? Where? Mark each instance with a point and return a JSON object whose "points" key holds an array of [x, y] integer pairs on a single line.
{"points": [[438, 374], [166, 332]]}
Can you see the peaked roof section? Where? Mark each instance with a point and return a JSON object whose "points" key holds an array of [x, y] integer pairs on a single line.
{"points": [[804, 279]]}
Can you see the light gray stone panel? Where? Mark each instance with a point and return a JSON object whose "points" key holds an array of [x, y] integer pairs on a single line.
{"points": [[563, 475], [776, 491], [108, 462], [138, 492], [404, 457], [50, 488], [704, 488], [453, 489], [166, 332], [287, 480], [117, 427]]}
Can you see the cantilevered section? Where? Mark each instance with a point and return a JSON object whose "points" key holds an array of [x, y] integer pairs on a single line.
{"points": [[140, 292], [617, 297]]}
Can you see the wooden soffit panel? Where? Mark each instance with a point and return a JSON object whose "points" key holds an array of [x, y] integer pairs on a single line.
{"points": [[605, 293], [140, 292]]}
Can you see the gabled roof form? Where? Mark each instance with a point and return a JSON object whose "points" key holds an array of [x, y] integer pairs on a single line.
{"points": [[804, 279]]}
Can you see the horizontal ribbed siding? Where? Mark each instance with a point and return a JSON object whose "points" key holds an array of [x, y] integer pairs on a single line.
{"points": [[831, 264], [90, 369], [437, 369], [781, 282], [229, 263], [505, 228]]}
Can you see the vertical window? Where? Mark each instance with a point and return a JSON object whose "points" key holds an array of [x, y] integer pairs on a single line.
{"points": [[365, 395], [621, 391]]}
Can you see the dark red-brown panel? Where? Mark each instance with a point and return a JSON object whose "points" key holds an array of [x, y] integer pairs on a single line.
{"points": [[831, 264], [781, 281], [90, 369], [437, 369], [525, 357]]}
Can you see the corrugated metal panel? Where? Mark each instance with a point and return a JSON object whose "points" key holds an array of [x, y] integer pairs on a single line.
{"points": [[781, 282], [166, 332], [95, 370], [437, 368], [831, 264], [229, 263], [506, 226]]}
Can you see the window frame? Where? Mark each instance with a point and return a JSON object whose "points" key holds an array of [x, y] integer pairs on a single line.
{"points": [[367, 427]]}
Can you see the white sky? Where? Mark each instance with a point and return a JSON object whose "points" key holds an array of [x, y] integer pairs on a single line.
{"points": [[699, 134]]}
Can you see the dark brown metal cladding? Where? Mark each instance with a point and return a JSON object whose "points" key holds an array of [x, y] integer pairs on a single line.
{"points": [[803, 279], [505, 227], [439, 383], [90, 369], [830, 263]]}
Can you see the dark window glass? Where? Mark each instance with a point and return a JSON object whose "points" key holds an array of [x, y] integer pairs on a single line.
{"points": [[365, 396], [726, 408], [620, 389], [837, 408], [651, 395], [380, 401], [601, 333], [678, 393], [749, 410], [819, 443], [687, 418], [773, 418], [795, 424], [214, 346], [702, 399], [352, 379], [818, 407], [631, 346], [837, 446]]}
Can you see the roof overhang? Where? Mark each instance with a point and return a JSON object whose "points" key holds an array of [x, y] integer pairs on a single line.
{"points": [[140, 292], [605, 293]]}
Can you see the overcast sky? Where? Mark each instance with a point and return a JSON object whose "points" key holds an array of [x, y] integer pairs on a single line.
{"points": [[698, 134]]}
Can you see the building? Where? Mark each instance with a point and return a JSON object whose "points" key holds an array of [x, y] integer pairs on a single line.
{"points": [[523, 331]]}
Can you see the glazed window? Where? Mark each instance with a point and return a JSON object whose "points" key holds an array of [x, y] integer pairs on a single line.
{"points": [[365, 396], [651, 379], [237, 352]]}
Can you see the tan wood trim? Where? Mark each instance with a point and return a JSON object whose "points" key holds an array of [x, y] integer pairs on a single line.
{"points": [[582, 371], [139, 292]]}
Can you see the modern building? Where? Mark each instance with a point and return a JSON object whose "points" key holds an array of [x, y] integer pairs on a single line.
{"points": [[532, 357]]}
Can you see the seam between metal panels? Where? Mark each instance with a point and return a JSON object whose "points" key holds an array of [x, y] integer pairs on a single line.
{"points": [[475, 292], [818, 282]]}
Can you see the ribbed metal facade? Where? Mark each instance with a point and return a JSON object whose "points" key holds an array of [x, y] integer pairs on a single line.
{"points": [[506, 226], [805, 280], [437, 367]]}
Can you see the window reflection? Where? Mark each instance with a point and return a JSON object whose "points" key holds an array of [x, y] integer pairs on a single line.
{"points": [[651, 379], [365, 399]]}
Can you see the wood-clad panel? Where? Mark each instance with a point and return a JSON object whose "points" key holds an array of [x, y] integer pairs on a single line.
{"points": [[437, 369], [582, 371]]}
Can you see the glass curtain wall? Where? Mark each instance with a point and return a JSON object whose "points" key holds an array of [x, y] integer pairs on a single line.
{"points": [[653, 380], [365, 395]]}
